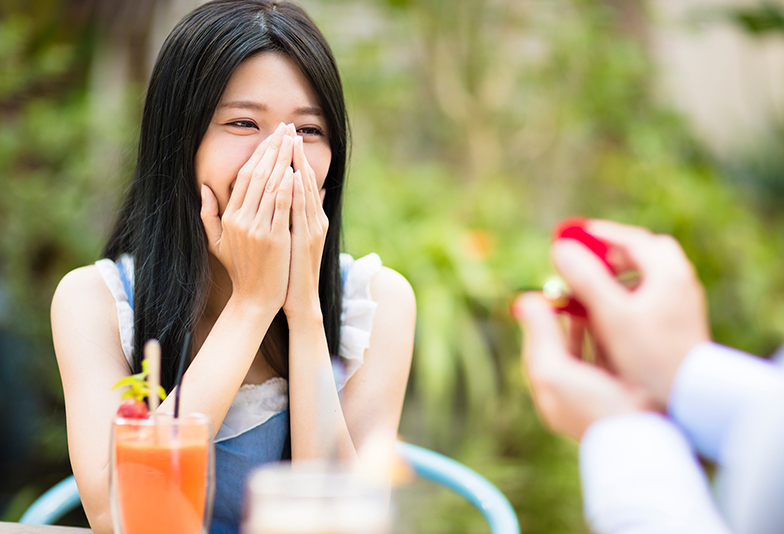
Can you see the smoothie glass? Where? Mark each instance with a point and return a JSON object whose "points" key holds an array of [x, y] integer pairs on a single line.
{"points": [[162, 475]]}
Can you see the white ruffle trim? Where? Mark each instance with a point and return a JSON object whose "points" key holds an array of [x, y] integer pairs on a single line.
{"points": [[111, 275], [253, 405], [359, 309]]}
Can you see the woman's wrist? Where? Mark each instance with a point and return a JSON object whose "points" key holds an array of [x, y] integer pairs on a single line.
{"points": [[305, 317], [250, 309]]}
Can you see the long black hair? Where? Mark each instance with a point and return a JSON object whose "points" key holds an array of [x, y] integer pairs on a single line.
{"points": [[159, 223]]}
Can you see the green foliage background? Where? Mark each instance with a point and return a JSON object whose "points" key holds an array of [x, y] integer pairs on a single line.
{"points": [[477, 125]]}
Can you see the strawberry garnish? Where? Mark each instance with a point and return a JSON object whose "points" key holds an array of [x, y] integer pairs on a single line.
{"points": [[137, 389], [133, 409]]}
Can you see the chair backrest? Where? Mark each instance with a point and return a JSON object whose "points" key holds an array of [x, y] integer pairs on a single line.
{"points": [[52, 505], [465, 482], [64, 496]]}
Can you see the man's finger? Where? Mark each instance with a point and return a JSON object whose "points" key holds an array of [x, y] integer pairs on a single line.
{"points": [[544, 343], [586, 274], [622, 234], [653, 255], [632, 245]]}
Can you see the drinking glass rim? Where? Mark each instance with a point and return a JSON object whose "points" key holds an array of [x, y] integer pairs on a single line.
{"points": [[342, 479], [165, 419]]}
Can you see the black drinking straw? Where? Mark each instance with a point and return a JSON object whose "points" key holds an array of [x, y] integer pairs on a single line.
{"points": [[186, 345]]}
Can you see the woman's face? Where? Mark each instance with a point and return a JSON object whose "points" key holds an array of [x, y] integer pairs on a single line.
{"points": [[264, 91]]}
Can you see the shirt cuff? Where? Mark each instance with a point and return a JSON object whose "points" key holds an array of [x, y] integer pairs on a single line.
{"points": [[713, 385], [640, 475]]}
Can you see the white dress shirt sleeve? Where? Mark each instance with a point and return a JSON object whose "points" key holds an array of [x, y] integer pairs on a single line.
{"points": [[640, 476], [751, 481], [713, 387]]}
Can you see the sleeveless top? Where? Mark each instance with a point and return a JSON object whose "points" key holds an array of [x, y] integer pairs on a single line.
{"points": [[256, 428]]}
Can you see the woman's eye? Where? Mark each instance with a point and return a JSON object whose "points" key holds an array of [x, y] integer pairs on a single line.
{"points": [[243, 124], [310, 131]]}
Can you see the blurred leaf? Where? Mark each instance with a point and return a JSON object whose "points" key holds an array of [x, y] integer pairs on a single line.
{"points": [[767, 18]]}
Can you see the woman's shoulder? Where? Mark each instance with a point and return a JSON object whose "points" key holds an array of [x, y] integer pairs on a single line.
{"points": [[80, 283], [81, 295], [83, 310], [393, 294], [390, 285]]}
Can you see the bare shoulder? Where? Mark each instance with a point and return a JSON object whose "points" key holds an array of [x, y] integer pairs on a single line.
{"points": [[389, 288], [81, 289], [84, 313], [395, 318]]}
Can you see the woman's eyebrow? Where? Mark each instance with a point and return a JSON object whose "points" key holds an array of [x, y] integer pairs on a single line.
{"points": [[258, 106], [243, 104], [309, 110]]}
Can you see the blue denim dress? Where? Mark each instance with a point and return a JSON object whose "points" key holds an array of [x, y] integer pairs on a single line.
{"points": [[235, 458], [237, 455]]}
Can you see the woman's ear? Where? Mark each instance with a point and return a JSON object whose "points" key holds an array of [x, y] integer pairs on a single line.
{"points": [[322, 194]]}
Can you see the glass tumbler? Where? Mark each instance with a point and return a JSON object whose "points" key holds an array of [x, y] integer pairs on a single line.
{"points": [[314, 499], [162, 475]]}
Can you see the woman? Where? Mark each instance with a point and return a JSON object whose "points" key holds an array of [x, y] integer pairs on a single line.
{"points": [[230, 230]]}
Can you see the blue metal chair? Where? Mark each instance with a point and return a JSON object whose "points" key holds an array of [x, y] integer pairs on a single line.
{"points": [[52, 505], [465, 482], [64, 497]]}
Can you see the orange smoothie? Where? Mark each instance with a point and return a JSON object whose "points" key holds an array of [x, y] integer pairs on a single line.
{"points": [[161, 478]]}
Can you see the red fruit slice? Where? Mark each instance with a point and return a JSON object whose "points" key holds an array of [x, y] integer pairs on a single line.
{"points": [[132, 409], [574, 228]]}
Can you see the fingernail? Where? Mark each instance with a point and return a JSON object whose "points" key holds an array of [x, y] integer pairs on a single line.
{"points": [[516, 308], [522, 305], [281, 128]]}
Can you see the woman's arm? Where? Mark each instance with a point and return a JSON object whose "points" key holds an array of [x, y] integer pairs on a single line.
{"points": [[373, 397], [87, 343], [324, 425], [252, 241]]}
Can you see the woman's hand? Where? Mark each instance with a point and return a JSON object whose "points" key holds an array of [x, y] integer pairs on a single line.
{"points": [[252, 239], [309, 226]]}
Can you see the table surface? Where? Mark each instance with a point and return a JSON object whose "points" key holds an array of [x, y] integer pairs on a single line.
{"points": [[18, 528]]}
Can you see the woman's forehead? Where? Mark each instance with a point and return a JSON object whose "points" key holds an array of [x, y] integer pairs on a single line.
{"points": [[270, 80]]}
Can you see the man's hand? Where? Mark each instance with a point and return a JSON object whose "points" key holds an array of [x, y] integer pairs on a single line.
{"points": [[645, 332], [569, 393]]}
